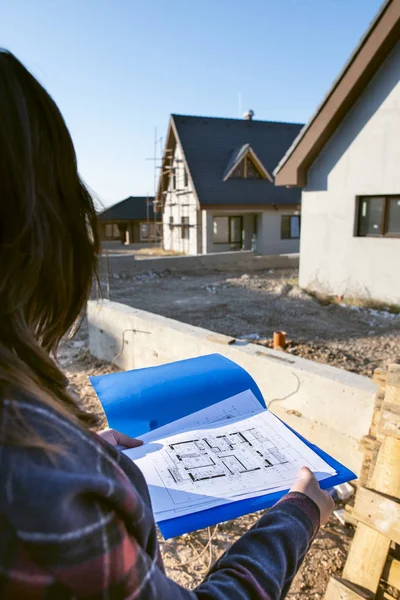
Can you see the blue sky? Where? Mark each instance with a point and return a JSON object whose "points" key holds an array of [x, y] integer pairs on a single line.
{"points": [[118, 68]]}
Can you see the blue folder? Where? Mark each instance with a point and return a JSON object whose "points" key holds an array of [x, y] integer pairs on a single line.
{"points": [[142, 400]]}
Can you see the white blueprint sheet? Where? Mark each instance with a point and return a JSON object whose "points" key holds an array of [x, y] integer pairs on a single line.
{"points": [[232, 450], [243, 404]]}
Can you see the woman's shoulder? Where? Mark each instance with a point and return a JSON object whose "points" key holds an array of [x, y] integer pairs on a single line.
{"points": [[51, 437], [59, 485]]}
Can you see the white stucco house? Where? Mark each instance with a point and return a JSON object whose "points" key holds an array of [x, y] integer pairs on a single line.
{"points": [[347, 160], [216, 188]]}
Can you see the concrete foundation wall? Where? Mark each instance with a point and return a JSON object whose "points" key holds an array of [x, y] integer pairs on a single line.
{"points": [[331, 407], [362, 158], [223, 261]]}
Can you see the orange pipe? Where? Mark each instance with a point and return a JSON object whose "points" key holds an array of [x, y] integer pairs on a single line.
{"points": [[279, 340]]}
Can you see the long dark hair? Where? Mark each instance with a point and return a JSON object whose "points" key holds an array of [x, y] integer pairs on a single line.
{"points": [[48, 242]]}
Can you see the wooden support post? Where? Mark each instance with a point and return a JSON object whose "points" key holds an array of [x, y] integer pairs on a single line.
{"points": [[386, 475], [379, 512], [389, 423], [377, 502], [391, 574], [382, 595], [367, 558]]}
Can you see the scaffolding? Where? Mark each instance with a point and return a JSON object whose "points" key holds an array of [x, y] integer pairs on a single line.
{"points": [[165, 170], [153, 212]]}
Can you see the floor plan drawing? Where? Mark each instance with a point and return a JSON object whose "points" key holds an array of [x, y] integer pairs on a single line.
{"points": [[223, 456]]}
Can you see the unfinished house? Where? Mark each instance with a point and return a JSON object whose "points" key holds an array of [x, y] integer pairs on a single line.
{"points": [[131, 221], [347, 160], [216, 189]]}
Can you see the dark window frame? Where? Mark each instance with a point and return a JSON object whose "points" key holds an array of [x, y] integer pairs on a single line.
{"points": [[185, 227], [384, 217], [229, 217], [173, 179], [115, 231], [244, 169], [284, 229]]}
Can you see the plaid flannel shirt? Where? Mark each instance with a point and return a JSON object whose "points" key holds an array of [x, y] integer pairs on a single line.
{"points": [[80, 525]]}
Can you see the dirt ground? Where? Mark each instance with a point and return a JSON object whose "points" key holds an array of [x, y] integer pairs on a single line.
{"points": [[255, 305], [251, 306]]}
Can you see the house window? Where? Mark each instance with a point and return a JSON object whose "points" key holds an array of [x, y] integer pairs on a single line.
{"points": [[290, 227], [238, 173], [235, 230], [185, 179], [144, 232], [173, 179], [147, 232], [246, 169], [378, 216], [112, 231], [251, 170], [227, 230], [185, 228], [171, 222]]}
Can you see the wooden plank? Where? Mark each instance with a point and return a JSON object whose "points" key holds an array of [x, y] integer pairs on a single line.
{"points": [[379, 512], [393, 375], [391, 573], [392, 394], [379, 376], [386, 475], [389, 422], [376, 415], [367, 557], [349, 517], [368, 443], [338, 589]]}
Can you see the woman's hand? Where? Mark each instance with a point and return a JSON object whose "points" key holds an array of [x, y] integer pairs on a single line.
{"points": [[309, 486], [115, 438]]}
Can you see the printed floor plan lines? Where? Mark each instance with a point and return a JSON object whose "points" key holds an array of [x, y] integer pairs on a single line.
{"points": [[222, 454], [227, 455]]}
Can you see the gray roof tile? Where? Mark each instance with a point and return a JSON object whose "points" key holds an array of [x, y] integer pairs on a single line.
{"points": [[209, 144], [134, 207]]}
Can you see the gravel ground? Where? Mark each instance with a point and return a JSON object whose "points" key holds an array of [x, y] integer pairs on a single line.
{"points": [[359, 340]]}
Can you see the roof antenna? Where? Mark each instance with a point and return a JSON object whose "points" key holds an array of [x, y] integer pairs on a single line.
{"points": [[249, 115]]}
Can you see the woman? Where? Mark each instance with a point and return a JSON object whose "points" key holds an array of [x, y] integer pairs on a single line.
{"points": [[75, 515]]}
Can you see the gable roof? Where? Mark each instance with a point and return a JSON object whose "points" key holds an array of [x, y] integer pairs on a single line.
{"points": [[237, 157], [134, 207], [208, 144], [371, 52]]}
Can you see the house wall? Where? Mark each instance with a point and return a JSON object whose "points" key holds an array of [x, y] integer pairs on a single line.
{"points": [[362, 158], [269, 233], [267, 228], [181, 202], [208, 244]]}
